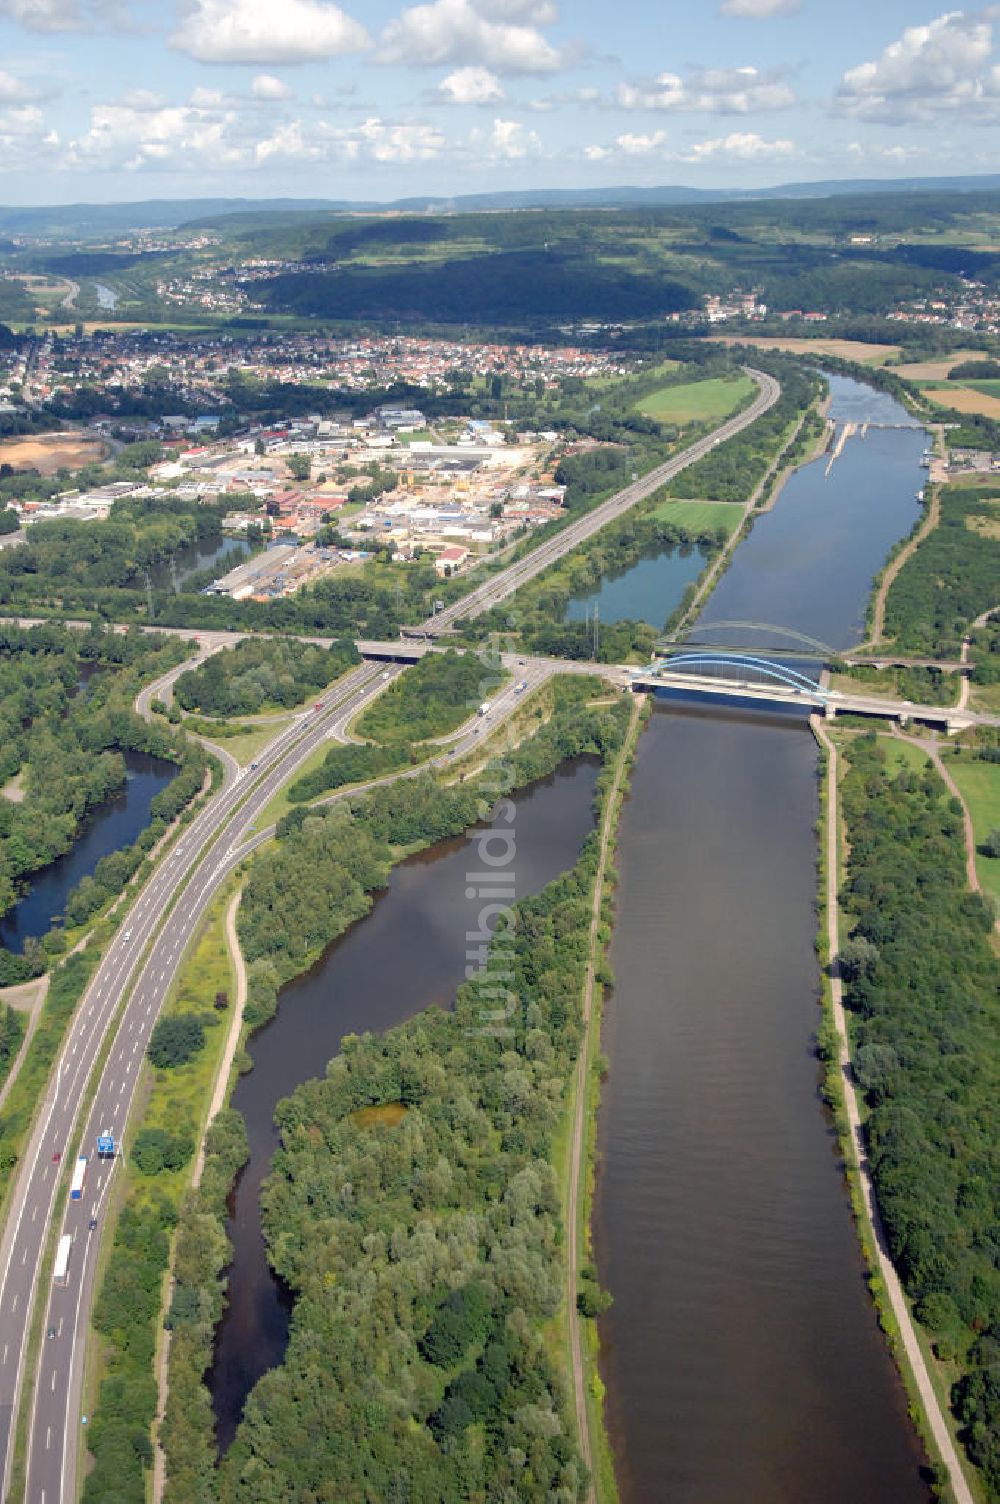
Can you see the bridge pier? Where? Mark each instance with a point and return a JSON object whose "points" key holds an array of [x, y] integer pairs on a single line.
{"points": [[829, 711]]}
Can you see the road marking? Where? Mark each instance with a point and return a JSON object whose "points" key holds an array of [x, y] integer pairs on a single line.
{"points": [[5, 1347], [35, 1212], [48, 1437], [52, 1386]]}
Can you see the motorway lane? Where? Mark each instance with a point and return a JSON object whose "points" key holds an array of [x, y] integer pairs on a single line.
{"points": [[56, 1400], [31, 1205], [508, 580]]}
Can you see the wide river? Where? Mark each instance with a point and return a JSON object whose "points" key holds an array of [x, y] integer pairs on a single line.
{"points": [[742, 1357]]}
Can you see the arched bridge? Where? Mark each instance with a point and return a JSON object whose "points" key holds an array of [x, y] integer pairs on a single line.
{"points": [[731, 636], [740, 670]]}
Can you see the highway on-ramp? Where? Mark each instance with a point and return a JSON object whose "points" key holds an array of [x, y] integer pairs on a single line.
{"points": [[131, 985]]}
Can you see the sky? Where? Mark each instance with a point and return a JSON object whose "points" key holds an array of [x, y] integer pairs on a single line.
{"points": [[104, 100]]}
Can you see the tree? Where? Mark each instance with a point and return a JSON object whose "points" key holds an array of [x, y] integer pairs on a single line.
{"points": [[300, 466], [857, 958], [174, 1041], [259, 447], [991, 845], [156, 1149]]}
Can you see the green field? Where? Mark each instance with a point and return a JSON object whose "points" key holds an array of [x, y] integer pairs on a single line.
{"points": [[988, 388], [979, 783], [697, 400], [698, 514]]}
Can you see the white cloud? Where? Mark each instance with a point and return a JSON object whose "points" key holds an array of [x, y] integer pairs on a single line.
{"points": [[12, 89], [715, 91], [384, 142], [945, 66], [867, 151], [510, 141], [141, 131], [628, 145], [259, 31], [25, 120], [289, 145], [534, 12], [25, 143], [739, 146], [43, 15], [466, 32], [471, 86], [759, 10], [266, 86]]}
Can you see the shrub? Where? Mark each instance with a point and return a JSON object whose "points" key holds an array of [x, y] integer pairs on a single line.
{"points": [[175, 1041]]}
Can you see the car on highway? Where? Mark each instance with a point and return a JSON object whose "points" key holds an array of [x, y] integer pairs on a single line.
{"points": [[318, 705], [57, 1156], [92, 1223], [50, 1333], [252, 766]]}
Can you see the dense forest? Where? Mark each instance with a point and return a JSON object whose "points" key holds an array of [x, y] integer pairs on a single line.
{"points": [[66, 712], [453, 1220], [508, 287], [546, 266], [431, 699], [920, 983], [92, 556], [262, 674], [952, 577]]}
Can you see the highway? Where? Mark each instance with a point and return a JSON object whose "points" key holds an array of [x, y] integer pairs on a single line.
{"points": [[138, 969], [492, 591], [31, 1206]]}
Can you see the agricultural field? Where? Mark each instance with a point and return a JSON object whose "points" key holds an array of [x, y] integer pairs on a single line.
{"points": [[695, 401], [51, 452], [975, 397], [937, 370], [695, 515], [844, 349]]}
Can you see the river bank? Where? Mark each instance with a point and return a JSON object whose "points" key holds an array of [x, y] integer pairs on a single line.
{"points": [[841, 1076], [721, 1223]]}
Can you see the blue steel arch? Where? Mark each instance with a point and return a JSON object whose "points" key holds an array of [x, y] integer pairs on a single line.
{"points": [[779, 672]]}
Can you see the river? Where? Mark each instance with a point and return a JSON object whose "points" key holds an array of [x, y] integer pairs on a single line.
{"points": [[192, 559], [650, 590], [742, 1357], [409, 952], [114, 824]]}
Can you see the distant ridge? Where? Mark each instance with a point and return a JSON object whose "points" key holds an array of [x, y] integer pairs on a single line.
{"points": [[161, 214]]}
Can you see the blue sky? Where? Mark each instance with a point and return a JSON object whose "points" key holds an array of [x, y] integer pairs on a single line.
{"points": [[128, 99]]}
